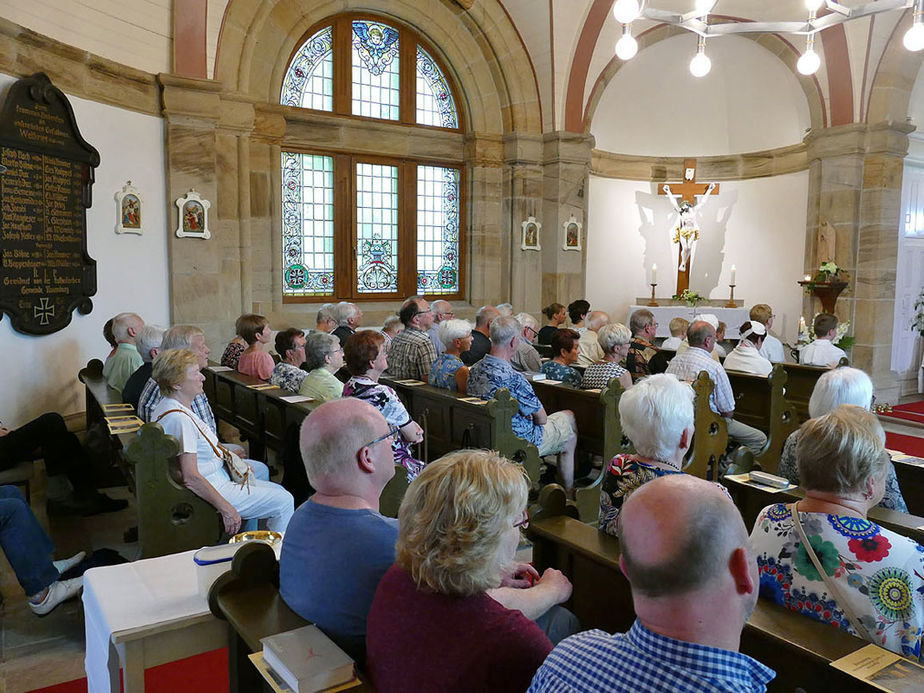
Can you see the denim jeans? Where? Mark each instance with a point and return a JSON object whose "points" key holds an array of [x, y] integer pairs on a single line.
{"points": [[27, 547]]}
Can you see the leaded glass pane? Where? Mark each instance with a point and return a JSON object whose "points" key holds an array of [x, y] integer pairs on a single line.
{"points": [[435, 105], [376, 228], [375, 70], [437, 230], [309, 81], [307, 224]]}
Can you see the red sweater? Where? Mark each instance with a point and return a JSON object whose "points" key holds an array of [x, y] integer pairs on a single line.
{"points": [[421, 641]]}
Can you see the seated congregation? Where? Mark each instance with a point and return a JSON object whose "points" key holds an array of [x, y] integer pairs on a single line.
{"points": [[389, 589]]}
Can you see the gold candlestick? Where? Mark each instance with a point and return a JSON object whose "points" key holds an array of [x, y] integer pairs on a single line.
{"points": [[731, 297], [653, 302]]}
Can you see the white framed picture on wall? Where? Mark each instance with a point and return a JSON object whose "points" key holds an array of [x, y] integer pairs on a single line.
{"points": [[530, 231], [193, 217], [571, 234]]}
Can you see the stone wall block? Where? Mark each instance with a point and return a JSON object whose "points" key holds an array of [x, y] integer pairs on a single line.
{"points": [[873, 317], [261, 194]]}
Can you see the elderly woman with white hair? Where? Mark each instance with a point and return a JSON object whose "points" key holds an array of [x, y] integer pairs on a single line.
{"points": [[834, 388], [448, 371], [614, 340], [323, 358], [822, 557], [657, 416]]}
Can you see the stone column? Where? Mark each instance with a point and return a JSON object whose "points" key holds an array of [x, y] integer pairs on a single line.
{"points": [[489, 248], [523, 199]]}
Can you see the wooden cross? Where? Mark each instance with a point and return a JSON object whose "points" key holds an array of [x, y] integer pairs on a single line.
{"points": [[688, 190]]}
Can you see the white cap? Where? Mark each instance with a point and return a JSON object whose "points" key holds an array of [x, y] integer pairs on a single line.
{"points": [[708, 317], [757, 329]]}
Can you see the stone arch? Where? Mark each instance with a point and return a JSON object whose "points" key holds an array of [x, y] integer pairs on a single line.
{"points": [[486, 58], [778, 46], [894, 79]]}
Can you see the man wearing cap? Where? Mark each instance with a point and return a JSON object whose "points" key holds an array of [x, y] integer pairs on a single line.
{"points": [[746, 357]]}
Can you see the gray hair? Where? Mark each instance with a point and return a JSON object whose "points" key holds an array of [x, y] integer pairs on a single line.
{"points": [[655, 412], [505, 309], [526, 320], [485, 315], [596, 320], [179, 337], [326, 312], [613, 335], [344, 311], [451, 330], [640, 319], [149, 338], [840, 386], [390, 322], [838, 452], [504, 329], [318, 347], [122, 322], [698, 332]]}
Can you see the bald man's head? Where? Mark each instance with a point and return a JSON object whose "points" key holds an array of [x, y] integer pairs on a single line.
{"points": [[597, 319], [676, 534], [333, 434], [699, 332]]}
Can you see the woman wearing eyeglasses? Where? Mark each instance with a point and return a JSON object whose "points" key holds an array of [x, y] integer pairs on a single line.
{"points": [[437, 622], [323, 358], [366, 359]]}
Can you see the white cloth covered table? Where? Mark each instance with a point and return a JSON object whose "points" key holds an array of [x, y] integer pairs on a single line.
{"points": [[732, 317], [142, 614]]}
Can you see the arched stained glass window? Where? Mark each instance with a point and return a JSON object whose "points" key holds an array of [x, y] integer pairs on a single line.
{"points": [[435, 105], [367, 225], [309, 81]]}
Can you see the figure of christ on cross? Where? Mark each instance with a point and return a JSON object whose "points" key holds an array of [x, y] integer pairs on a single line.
{"points": [[685, 229]]}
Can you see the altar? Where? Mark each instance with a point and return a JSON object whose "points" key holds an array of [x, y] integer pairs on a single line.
{"points": [[732, 317]]}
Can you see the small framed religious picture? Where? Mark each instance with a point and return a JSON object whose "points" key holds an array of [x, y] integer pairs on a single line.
{"points": [[531, 229], [193, 219], [128, 209], [571, 234]]}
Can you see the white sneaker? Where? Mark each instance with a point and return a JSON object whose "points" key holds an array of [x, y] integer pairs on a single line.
{"points": [[59, 591], [66, 564]]}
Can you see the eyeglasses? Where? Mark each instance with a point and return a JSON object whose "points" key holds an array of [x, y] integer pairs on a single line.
{"points": [[449, 314], [532, 330], [523, 522], [393, 433]]}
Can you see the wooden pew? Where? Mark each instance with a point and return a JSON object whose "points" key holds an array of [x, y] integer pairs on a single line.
{"points": [[798, 648], [247, 597], [711, 432], [800, 383]]}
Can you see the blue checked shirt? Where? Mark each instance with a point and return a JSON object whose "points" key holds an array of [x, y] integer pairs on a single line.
{"points": [[686, 366], [151, 397], [641, 661]]}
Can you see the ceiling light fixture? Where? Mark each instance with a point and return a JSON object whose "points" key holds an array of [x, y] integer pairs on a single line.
{"points": [[626, 10], [914, 37], [626, 46], [701, 64], [809, 62]]}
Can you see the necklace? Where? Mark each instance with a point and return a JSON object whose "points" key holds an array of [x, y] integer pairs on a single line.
{"points": [[658, 463]]}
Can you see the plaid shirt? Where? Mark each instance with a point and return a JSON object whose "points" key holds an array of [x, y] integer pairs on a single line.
{"points": [[151, 397], [411, 355], [687, 366], [638, 356], [646, 662]]}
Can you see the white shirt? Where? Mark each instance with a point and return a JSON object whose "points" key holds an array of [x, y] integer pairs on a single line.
{"points": [[772, 349], [671, 343], [191, 438], [589, 350], [821, 352], [747, 359]]}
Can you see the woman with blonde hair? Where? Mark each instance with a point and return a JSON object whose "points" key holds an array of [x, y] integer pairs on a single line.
{"points": [[614, 340], [459, 528]]}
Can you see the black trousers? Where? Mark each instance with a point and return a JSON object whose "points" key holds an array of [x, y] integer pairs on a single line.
{"points": [[48, 437]]}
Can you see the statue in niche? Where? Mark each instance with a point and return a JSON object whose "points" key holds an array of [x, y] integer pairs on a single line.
{"points": [[826, 243]]}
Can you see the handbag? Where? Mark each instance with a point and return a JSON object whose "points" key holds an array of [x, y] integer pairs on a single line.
{"points": [[239, 471], [829, 583]]}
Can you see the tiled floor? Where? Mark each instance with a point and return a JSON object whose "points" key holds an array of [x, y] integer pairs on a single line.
{"points": [[43, 651]]}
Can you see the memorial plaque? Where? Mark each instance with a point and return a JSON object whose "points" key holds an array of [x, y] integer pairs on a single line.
{"points": [[45, 270]]}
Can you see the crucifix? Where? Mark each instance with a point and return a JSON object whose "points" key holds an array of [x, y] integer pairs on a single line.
{"points": [[685, 229]]}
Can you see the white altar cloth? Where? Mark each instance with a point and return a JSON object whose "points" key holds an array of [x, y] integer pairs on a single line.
{"points": [[142, 614], [732, 317]]}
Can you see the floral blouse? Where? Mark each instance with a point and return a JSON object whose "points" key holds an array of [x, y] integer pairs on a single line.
{"points": [[879, 572], [387, 401], [443, 371], [624, 474], [566, 374], [232, 354], [287, 377]]}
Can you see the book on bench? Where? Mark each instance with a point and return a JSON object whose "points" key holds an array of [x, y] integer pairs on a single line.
{"points": [[307, 660]]}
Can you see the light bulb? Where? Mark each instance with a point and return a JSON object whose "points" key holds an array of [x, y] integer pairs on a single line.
{"points": [[626, 47], [626, 10], [814, 5], [704, 7], [700, 65], [809, 62], [914, 37]]}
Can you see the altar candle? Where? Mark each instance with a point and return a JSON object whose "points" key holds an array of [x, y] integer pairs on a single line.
{"points": [[807, 278], [732, 275], [654, 274]]}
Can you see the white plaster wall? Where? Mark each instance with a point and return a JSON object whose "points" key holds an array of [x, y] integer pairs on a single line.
{"points": [[39, 374], [757, 225], [654, 107]]}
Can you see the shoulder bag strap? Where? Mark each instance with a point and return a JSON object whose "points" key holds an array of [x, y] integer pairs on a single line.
{"points": [[829, 583], [219, 451]]}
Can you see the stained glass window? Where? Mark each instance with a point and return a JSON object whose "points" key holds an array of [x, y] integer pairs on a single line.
{"points": [[307, 224], [376, 79], [309, 81], [435, 105], [437, 230], [376, 228]]}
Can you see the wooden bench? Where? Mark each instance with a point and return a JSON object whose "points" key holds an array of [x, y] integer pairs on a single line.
{"points": [[797, 647], [800, 383], [247, 597]]}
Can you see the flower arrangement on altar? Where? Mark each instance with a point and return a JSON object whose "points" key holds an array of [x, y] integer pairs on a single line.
{"points": [[917, 322], [841, 340], [690, 297], [827, 273]]}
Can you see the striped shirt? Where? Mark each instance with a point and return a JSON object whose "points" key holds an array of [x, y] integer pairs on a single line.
{"points": [[642, 661], [687, 366]]}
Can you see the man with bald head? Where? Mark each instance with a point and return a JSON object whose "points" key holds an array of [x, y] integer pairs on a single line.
{"points": [[411, 353], [442, 311], [685, 553], [589, 349], [481, 335], [688, 365], [337, 545]]}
